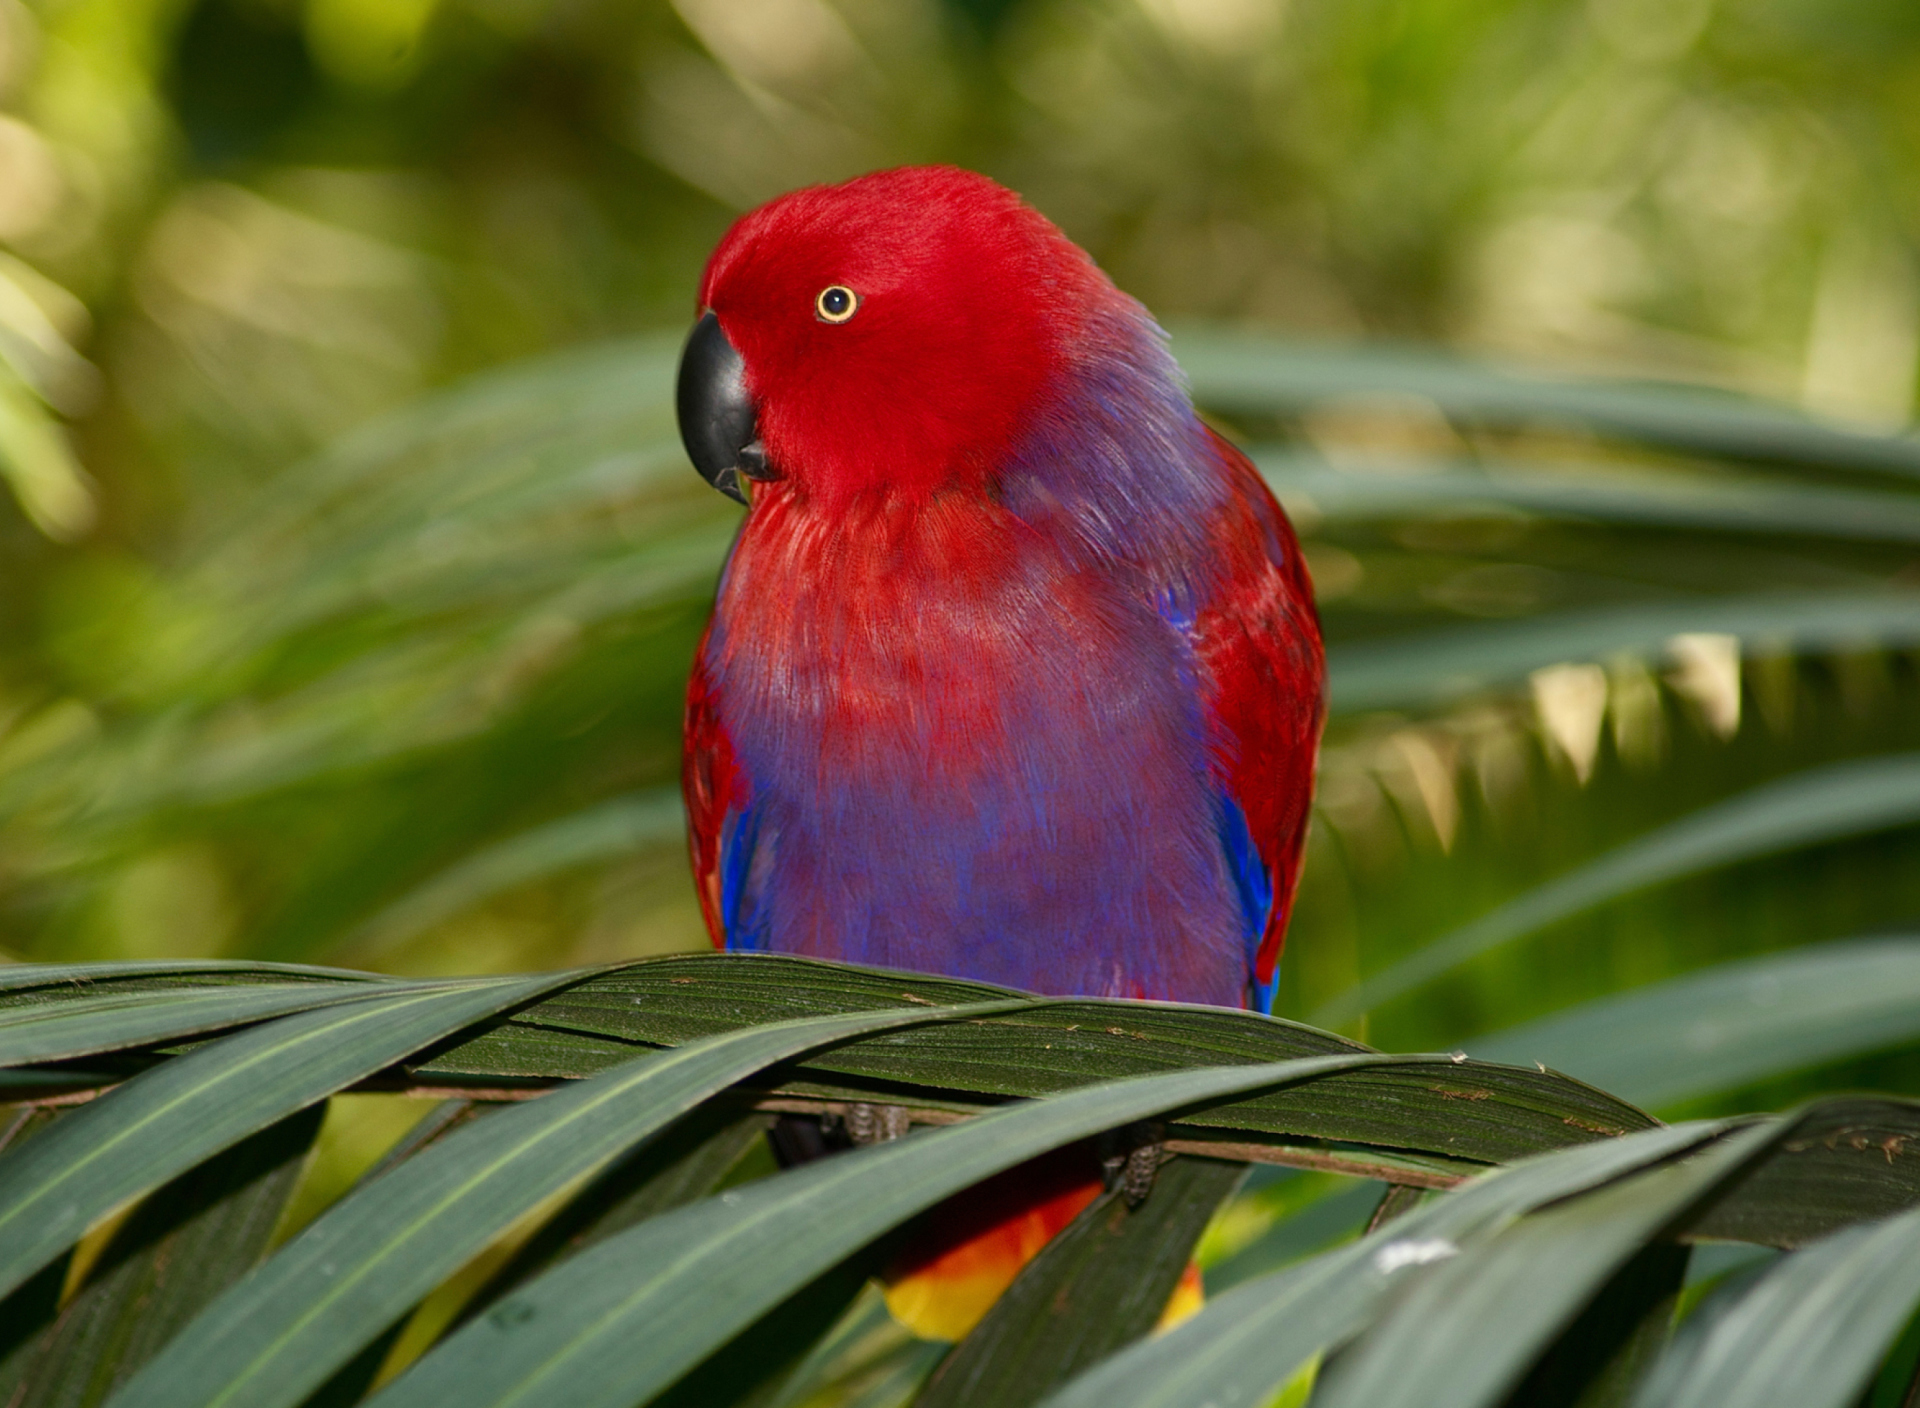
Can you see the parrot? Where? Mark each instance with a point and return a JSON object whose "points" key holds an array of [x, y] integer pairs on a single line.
{"points": [[1014, 672]]}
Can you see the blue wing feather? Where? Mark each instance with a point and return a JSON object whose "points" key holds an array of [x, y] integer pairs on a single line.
{"points": [[1253, 884], [741, 915]]}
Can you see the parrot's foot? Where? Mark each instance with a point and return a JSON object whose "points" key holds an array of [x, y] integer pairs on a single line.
{"points": [[1143, 1165], [875, 1124], [1132, 1159], [800, 1139]]}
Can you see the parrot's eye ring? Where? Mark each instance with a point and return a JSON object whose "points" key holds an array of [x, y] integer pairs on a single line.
{"points": [[835, 304]]}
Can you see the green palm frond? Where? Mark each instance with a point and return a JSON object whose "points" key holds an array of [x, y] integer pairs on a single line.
{"points": [[1624, 672], [1547, 1253]]}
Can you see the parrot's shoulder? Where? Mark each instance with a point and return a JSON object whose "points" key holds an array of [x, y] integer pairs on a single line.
{"points": [[1116, 471], [1263, 681]]}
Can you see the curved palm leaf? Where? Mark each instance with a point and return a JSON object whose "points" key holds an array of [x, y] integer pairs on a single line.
{"points": [[1467, 1332], [1826, 804], [701, 1275], [1258, 1335], [1454, 1303], [1809, 1332], [1245, 372], [1440, 666], [1666, 501], [624, 1320], [609, 831], [166, 1120], [61, 1031], [278, 1335], [1731, 1025]]}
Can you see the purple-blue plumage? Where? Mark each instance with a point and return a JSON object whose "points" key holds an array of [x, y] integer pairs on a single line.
{"points": [[1005, 772]]}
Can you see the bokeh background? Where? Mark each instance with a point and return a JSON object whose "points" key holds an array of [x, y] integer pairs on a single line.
{"points": [[305, 657]]}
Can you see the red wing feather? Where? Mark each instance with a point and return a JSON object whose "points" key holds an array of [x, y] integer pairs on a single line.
{"points": [[1259, 646], [711, 783]]}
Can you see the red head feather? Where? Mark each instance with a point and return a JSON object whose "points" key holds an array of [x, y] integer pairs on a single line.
{"points": [[966, 296]]}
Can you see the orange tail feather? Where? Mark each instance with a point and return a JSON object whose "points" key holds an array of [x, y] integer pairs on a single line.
{"points": [[970, 1252]]}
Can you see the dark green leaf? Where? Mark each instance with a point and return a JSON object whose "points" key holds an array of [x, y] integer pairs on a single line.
{"points": [[366, 1261], [166, 1120], [868, 1360], [1395, 1202], [1246, 1343], [622, 1321], [682, 1166], [1337, 1217], [1843, 1160], [1463, 1111], [754, 1369], [58, 982], [27, 1312], [351, 1381], [1606, 1353], [1468, 1329], [187, 1242], [59, 1031], [445, 1117], [1100, 1285]]}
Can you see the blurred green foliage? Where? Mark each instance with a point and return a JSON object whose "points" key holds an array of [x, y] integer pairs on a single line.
{"points": [[297, 664]]}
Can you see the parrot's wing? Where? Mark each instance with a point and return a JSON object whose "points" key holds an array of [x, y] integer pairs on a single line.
{"points": [[1264, 679], [711, 782]]}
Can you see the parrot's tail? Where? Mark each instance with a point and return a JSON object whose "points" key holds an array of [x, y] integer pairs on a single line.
{"points": [[970, 1248]]}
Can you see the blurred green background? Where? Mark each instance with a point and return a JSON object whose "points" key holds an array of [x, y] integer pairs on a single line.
{"points": [[302, 658]]}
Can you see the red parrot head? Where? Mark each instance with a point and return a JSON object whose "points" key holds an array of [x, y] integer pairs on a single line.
{"points": [[892, 333]]}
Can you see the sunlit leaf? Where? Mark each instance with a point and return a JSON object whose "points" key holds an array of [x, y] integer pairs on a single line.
{"points": [[1242, 372], [38, 464], [1807, 809], [1732, 1024], [1668, 501], [1437, 667]]}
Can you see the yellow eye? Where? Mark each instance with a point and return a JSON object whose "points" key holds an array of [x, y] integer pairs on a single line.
{"points": [[835, 304]]}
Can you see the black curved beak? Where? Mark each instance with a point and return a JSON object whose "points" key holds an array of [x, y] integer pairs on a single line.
{"points": [[718, 420]]}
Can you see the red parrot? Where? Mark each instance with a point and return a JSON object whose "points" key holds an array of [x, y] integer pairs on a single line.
{"points": [[1013, 672]]}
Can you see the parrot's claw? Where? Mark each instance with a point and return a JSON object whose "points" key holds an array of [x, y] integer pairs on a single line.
{"points": [[875, 1124], [1143, 1165], [1132, 1159]]}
